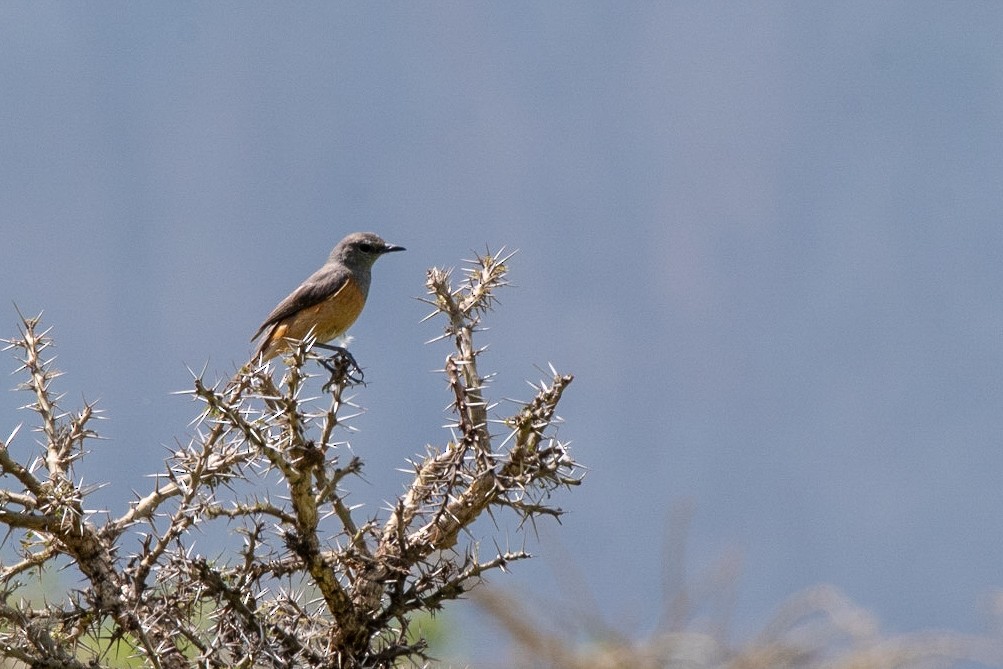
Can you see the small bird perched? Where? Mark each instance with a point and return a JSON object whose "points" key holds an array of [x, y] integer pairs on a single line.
{"points": [[329, 301]]}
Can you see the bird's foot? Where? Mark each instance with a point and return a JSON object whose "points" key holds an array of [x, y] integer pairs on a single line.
{"points": [[343, 367]]}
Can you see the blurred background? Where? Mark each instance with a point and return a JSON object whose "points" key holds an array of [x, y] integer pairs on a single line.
{"points": [[766, 238]]}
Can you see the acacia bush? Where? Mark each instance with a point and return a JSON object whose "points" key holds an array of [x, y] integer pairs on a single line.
{"points": [[314, 582], [819, 628]]}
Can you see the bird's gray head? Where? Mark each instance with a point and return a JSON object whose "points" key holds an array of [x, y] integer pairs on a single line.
{"points": [[361, 249]]}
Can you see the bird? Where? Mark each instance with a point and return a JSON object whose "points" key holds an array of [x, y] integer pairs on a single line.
{"points": [[328, 302]]}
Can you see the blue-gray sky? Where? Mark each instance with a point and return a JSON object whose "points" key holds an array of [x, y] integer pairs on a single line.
{"points": [[765, 237]]}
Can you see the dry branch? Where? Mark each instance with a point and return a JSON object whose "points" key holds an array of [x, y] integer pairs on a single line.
{"points": [[314, 584]]}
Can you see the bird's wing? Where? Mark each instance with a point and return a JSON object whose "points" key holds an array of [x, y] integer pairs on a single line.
{"points": [[322, 284]]}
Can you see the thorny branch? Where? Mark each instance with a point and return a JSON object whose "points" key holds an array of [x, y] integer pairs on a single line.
{"points": [[314, 584]]}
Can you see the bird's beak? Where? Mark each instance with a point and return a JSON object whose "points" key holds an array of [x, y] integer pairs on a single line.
{"points": [[390, 248]]}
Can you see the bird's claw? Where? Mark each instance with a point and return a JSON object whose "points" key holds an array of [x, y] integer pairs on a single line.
{"points": [[343, 367]]}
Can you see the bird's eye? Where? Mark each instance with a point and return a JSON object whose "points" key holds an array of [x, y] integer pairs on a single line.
{"points": [[366, 247]]}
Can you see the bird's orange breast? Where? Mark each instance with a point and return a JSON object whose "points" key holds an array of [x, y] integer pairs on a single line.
{"points": [[329, 318]]}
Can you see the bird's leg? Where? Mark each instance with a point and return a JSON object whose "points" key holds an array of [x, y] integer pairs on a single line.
{"points": [[342, 365], [340, 352]]}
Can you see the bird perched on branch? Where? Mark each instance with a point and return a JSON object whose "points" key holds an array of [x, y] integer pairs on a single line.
{"points": [[328, 302]]}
